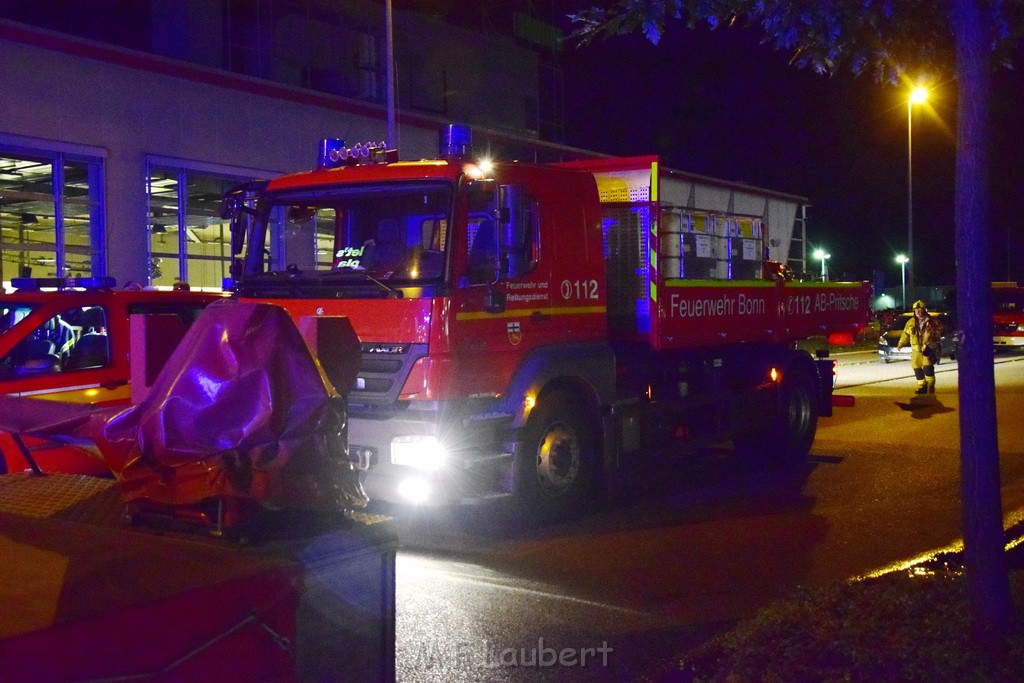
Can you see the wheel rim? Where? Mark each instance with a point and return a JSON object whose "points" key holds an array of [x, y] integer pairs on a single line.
{"points": [[558, 459]]}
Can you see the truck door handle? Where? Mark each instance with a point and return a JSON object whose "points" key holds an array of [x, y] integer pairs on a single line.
{"points": [[537, 317], [114, 384]]}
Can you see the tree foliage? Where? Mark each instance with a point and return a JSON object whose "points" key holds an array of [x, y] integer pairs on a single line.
{"points": [[886, 38], [897, 39]]}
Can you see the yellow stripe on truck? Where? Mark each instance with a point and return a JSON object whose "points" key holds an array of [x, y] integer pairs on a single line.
{"points": [[567, 310]]}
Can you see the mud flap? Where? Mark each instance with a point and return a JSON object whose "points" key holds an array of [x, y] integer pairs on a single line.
{"points": [[826, 379]]}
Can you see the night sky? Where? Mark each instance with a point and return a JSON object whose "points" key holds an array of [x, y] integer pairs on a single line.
{"points": [[721, 104]]}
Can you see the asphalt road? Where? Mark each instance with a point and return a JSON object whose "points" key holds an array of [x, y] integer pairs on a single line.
{"points": [[618, 594]]}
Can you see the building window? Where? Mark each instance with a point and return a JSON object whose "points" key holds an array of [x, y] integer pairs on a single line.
{"points": [[188, 239], [51, 216], [306, 43]]}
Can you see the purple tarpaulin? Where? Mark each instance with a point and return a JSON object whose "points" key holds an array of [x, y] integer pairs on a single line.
{"points": [[241, 409]]}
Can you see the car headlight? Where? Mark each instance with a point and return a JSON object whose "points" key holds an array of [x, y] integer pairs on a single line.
{"points": [[420, 452]]}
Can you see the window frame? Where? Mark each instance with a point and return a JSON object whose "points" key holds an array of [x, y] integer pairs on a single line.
{"points": [[182, 169], [58, 154]]}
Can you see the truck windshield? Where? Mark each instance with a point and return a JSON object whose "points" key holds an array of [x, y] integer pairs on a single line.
{"points": [[388, 232]]}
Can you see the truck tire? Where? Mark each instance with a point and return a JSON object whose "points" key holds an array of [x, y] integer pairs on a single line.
{"points": [[556, 459], [792, 425]]}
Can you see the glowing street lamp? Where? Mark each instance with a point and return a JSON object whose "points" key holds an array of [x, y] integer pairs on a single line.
{"points": [[823, 256], [903, 260], [917, 96]]}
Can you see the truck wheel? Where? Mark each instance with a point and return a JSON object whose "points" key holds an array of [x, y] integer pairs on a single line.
{"points": [[799, 415], [792, 426], [556, 459]]}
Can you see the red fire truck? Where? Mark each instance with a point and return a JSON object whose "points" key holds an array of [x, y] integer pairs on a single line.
{"points": [[1007, 316], [535, 330]]}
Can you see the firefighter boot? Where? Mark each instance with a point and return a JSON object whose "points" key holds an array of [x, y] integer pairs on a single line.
{"points": [[929, 379], [921, 388]]}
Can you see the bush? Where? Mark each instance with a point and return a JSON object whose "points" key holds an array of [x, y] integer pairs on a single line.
{"points": [[895, 627]]}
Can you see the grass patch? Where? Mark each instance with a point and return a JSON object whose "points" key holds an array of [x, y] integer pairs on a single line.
{"points": [[893, 628]]}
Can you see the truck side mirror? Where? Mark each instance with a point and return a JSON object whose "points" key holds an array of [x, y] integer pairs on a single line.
{"points": [[238, 206], [237, 234]]}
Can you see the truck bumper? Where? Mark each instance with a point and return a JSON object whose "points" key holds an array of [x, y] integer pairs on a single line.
{"points": [[419, 460], [1007, 341]]}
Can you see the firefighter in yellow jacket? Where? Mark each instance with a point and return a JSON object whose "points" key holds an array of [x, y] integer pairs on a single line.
{"points": [[922, 333]]}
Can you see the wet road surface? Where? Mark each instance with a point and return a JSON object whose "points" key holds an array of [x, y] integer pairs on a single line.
{"points": [[618, 594]]}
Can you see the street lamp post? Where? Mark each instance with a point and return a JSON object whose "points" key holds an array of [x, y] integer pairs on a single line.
{"points": [[389, 50], [823, 256], [902, 260], [917, 96]]}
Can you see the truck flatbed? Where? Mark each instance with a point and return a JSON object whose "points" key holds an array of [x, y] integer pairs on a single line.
{"points": [[702, 313]]}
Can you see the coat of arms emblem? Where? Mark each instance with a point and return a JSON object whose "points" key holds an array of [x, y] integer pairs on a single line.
{"points": [[515, 333]]}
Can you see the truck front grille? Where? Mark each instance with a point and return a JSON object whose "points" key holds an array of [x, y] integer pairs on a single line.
{"points": [[389, 366], [382, 373]]}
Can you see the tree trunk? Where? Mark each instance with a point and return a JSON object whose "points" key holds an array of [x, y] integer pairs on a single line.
{"points": [[982, 517]]}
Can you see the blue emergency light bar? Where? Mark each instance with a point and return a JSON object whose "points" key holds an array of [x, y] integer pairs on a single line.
{"points": [[333, 153], [330, 152], [36, 283]]}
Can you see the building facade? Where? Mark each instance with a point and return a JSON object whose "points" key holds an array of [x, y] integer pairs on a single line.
{"points": [[115, 148], [124, 121]]}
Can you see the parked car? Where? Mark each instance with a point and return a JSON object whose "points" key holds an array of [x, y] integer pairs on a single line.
{"points": [[72, 345], [948, 341]]}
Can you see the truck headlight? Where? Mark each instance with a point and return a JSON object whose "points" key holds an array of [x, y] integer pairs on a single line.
{"points": [[414, 489], [418, 451]]}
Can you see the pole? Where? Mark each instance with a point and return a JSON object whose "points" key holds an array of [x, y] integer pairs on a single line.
{"points": [[910, 195], [389, 49], [903, 272]]}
